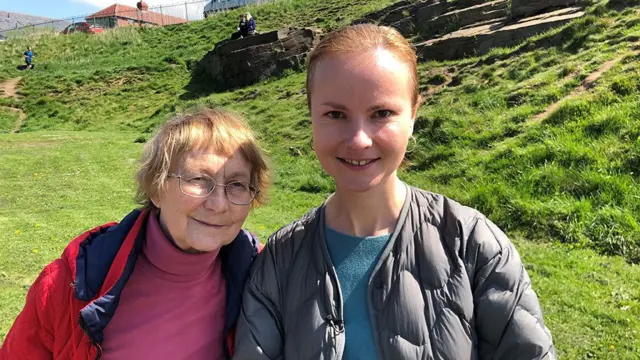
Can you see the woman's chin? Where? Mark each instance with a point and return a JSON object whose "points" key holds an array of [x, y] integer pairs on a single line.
{"points": [[357, 186]]}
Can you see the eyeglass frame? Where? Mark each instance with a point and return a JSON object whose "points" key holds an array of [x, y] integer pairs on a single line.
{"points": [[215, 183]]}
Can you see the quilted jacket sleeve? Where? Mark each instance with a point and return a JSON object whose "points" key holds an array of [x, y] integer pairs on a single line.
{"points": [[259, 330], [509, 322], [32, 334]]}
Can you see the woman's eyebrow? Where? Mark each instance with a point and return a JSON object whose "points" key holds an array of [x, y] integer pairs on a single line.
{"points": [[237, 175], [334, 105]]}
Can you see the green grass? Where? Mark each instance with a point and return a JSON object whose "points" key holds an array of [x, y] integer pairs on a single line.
{"points": [[58, 184], [566, 188]]}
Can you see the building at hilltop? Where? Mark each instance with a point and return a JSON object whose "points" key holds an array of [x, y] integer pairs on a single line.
{"points": [[118, 15]]}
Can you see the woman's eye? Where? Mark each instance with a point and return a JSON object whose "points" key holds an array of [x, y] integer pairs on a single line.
{"points": [[335, 114], [383, 113], [198, 180], [238, 186]]}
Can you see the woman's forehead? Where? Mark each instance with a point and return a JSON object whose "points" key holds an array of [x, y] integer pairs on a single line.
{"points": [[214, 162], [344, 77]]}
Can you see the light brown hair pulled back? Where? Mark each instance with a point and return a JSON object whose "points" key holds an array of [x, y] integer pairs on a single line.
{"points": [[217, 130], [360, 39]]}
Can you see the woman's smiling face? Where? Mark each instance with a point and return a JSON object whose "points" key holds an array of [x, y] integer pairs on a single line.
{"points": [[206, 223], [362, 114]]}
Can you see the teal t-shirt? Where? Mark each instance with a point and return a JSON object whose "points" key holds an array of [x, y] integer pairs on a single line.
{"points": [[354, 259]]}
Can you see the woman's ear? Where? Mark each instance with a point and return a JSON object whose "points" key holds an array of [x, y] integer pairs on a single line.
{"points": [[417, 106], [156, 201], [156, 198]]}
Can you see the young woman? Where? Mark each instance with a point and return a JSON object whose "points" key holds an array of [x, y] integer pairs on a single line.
{"points": [[167, 281], [383, 270]]}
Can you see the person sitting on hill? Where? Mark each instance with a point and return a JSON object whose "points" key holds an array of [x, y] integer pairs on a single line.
{"points": [[250, 25], [241, 28], [28, 57], [247, 27], [167, 281]]}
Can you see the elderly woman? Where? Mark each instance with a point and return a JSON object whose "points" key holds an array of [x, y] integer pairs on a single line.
{"points": [[383, 270], [166, 282]]}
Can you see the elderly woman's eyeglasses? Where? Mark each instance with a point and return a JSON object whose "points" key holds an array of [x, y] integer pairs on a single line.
{"points": [[200, 186]]}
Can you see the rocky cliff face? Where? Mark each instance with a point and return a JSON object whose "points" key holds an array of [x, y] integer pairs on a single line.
{"points": [[236, 63], [444, 30], [440, 30]]}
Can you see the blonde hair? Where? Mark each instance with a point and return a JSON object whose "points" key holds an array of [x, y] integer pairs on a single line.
{"points": [[210, 129], [363, 38], [248, 16]]}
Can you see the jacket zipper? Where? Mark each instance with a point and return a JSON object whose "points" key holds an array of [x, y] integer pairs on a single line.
{"points": [[336, 322], [91, 339]]}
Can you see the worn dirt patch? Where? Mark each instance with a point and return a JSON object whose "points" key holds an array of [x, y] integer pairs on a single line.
{"points": [[21, 117], [449, 75], [588, 83], [8, 89]]}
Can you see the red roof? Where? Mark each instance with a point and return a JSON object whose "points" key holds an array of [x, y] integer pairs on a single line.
{"points": [[128, 12]]}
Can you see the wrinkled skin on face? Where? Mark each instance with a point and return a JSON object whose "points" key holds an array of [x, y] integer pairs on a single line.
{"points": [[204, 224]]}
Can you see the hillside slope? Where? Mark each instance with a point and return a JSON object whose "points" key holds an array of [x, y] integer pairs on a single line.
{"points": [[569, 176]]}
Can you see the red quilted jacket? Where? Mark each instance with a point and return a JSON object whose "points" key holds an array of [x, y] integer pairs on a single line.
{"points": [[56, 323]]}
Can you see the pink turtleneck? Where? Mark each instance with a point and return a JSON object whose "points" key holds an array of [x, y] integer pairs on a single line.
{"points": [[172, 307]]}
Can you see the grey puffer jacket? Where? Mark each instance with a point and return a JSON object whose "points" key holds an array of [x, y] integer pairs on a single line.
{"points": [[449, 285]]}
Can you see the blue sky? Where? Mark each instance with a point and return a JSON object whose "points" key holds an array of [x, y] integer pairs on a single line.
{"points": [[49, 8], [66, 8]]}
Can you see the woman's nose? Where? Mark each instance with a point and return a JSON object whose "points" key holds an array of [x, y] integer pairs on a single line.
{"points": [[217, 200], [359, 137]]}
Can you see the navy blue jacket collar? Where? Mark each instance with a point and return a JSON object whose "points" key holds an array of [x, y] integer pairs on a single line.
{"points": [[98, 251]]}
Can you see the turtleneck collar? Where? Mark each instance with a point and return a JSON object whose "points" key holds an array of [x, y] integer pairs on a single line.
{"points": [[172, 263]]}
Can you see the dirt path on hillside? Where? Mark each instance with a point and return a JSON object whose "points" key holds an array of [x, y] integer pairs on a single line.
{"points": [[588, 83], [8, 89]]}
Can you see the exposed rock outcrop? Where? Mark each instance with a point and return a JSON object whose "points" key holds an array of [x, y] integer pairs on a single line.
{"points": [[430, 18], [441, 30], [246, 61], [487, 12], [480, 40], [521, 8]]}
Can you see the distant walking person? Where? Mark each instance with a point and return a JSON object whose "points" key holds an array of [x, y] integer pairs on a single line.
{"points": [[28, 57]]}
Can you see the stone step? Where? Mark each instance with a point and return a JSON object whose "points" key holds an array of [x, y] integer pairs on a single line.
{"points": [[502, 20], [429, 12], [456, 19], [244, 62], [394, 13], [521, 8], [405, 26], [480, 40]]}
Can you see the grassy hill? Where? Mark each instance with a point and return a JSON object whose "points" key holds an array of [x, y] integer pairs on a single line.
{"points": [[563, 183]]}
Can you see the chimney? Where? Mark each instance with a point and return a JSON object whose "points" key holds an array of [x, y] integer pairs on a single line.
{"points": [[142, 6]]}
